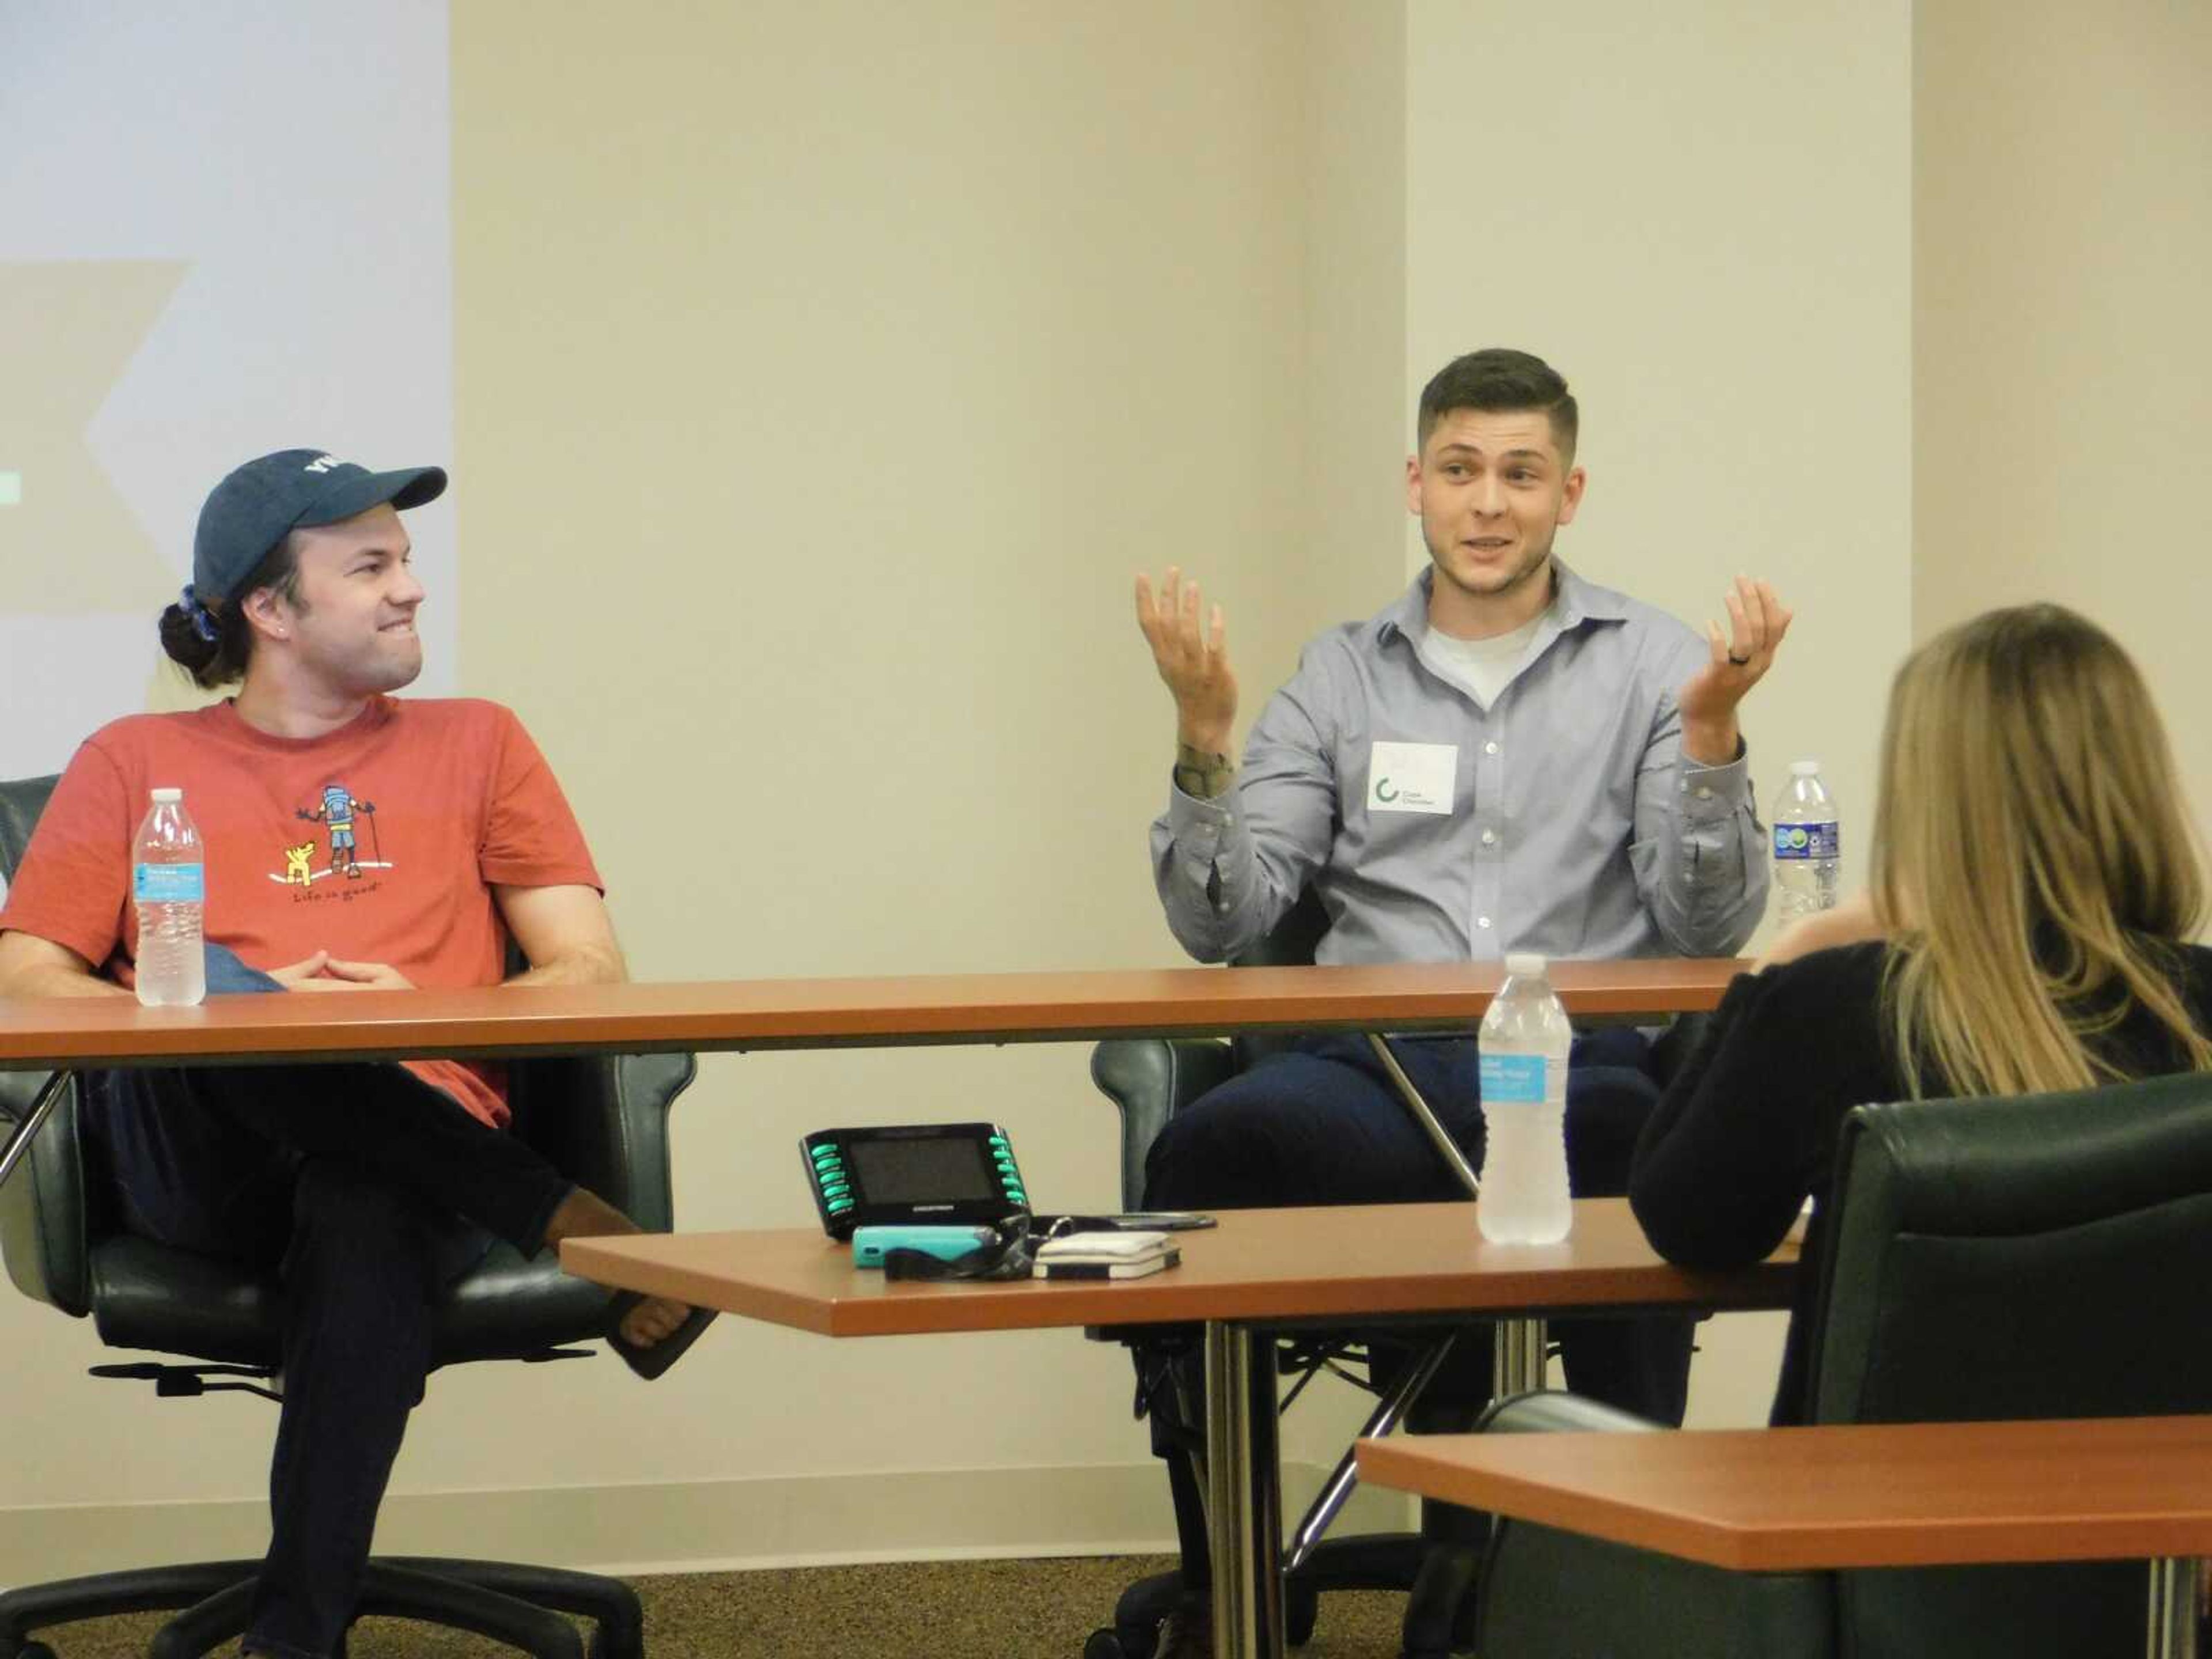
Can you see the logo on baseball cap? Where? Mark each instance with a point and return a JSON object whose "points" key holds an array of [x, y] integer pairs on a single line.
{"points": [[253, 509]]}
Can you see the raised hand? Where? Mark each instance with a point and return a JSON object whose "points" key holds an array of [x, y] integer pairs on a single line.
{"points": [[1192, 660], [1735, 663]]}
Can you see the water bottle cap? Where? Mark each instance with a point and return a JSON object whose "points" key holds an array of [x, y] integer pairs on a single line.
{"points": [[167, 797], [1524, 964], [1804, 769]]}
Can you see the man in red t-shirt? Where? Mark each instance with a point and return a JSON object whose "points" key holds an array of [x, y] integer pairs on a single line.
{"points": [[352, 841]]}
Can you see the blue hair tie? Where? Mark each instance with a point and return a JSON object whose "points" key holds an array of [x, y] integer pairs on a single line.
{"points": [[202, 619]]}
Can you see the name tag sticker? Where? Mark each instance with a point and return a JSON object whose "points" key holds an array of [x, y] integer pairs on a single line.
{"points": [[1412, 777]]}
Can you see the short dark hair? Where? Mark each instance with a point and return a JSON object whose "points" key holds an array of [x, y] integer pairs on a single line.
{"points": [[221, 661], [1499, 380]]}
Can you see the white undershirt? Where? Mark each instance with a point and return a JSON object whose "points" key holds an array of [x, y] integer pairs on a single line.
{"points": [[1482, 668]]}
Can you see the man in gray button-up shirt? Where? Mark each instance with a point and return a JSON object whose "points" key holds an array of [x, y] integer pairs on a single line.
{"points": [[1570, 816], [1508, 758], [1595, 804]]}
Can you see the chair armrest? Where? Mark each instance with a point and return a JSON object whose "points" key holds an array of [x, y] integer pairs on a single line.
{"points": [[43, 1221], [601, 1121], [1552, 1411], [1150, 1079]]}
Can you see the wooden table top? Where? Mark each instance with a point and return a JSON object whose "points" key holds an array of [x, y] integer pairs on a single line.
{"points": [[1893, 1495], [1272, 1267], [818, 1013]]}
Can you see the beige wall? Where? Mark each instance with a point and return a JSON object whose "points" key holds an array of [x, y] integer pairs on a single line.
{"points": [[2063, 373]]}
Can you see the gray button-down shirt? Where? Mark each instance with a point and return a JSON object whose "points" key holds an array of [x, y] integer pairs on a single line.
{"points": [[1574, 827]]}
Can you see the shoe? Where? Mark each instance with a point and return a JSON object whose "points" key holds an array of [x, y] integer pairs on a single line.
{"points": [[650, 1361], [1186, 1632]]}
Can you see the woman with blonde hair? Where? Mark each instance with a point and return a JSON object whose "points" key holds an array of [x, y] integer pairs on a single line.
{"points": [[2036, 887]]}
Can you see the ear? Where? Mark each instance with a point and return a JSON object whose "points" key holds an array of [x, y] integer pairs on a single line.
{"points": [[266, 613], [1414, 485], [1572, 497]]}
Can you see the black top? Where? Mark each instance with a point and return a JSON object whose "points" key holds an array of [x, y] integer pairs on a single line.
{"points": [[1748, 1127]]}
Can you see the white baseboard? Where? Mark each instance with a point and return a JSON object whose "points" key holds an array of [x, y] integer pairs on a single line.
{"points": [[688, 1527]]}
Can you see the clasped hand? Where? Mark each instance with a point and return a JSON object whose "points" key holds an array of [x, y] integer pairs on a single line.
{"points": [[325, 972]]}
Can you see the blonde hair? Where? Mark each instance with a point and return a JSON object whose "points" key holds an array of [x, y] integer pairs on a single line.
{"points": [[2031, 849]]}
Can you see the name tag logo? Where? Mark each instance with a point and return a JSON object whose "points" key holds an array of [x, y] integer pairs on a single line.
{"points": [[1412, 777]]}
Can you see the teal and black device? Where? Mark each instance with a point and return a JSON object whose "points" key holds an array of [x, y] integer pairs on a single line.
{"points": [[942, 1175], [871, 1244]]}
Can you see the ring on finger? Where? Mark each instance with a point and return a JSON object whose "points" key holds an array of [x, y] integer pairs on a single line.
{"points": [[1741, 662]]}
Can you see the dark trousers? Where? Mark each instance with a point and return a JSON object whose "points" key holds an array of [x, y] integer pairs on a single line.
{"points": [[1321, 1123], [365, 1191]]}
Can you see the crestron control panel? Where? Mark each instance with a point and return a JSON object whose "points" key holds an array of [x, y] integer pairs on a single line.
{"points": [[945, 1173]]}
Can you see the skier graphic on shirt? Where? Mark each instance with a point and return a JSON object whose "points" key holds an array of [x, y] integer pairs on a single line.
{"points": [[336, 814]]}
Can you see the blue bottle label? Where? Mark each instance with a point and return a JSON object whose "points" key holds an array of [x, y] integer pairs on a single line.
{"points": [[169, 884], [1806, 840], [1513, 1080]]}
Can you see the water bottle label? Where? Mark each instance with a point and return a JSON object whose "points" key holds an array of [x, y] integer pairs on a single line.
{"points": [[169, 884], [1513, 1080], [1806, 840]]}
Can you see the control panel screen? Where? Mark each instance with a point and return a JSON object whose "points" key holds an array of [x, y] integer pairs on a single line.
{"points": [[923, 1171]]}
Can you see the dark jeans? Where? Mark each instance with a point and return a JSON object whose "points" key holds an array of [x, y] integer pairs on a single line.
{"points": [[366, 1192], [1321, 1124]]}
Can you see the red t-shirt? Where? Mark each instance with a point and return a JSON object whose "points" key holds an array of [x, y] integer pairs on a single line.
{"points": [[379, 842]]}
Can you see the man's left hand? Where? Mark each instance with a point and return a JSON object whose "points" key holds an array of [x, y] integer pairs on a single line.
{"points": [[1854, 922], [1737, 661], [356, 976]]}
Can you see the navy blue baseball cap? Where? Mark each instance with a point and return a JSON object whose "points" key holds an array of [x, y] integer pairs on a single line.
{"points": [[253, 509]]}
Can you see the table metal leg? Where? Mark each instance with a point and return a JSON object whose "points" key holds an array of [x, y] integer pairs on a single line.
{"points": [[1518, 1362], [1424, 1116], [1389, 1412], [2173, 1607], [19, 1144], [1244, 1511]]}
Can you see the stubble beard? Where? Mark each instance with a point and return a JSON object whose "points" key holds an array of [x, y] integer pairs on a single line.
{"points": [[1535, 562], [372, 674]]}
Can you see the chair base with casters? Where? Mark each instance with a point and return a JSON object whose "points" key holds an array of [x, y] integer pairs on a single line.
{"points": [[520, 1606]]}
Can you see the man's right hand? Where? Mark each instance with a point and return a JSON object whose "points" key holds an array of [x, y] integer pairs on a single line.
{"points": [[325, 972], [1193, 662], [295, 976]]}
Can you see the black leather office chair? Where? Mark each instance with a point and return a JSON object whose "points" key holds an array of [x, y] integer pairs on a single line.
{"points": [[601, 1121], [1431, 1382], [1989, 1258]]}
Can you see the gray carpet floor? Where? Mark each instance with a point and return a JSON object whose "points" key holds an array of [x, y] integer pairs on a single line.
{"points": [[1041, 1609]]}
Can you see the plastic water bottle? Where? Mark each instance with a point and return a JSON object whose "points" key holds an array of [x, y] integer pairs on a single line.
{"points": [[168, 881], [1807, 847], [1525, 1039]]}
